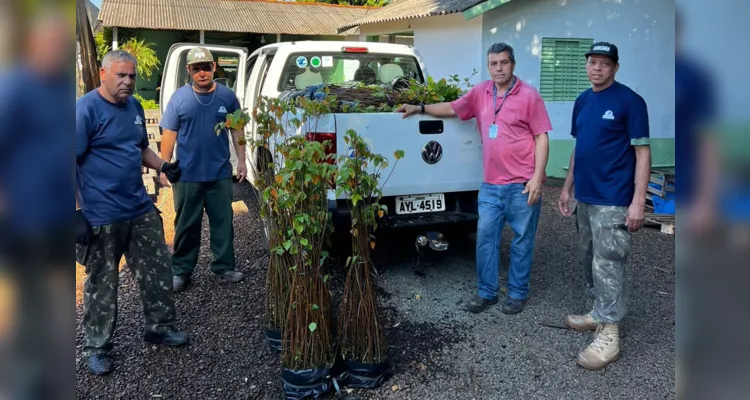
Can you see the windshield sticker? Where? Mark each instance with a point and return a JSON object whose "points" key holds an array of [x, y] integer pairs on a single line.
{"points": [[301, 62], [327, 61], [228, 61], [315, 62]]}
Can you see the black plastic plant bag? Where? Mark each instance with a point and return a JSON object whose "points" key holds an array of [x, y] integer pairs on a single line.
{"points": [[365, 376], [306, 383], [274, 340]]}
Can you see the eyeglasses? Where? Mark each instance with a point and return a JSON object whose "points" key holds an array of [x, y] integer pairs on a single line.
{"points": [[207, 67]]}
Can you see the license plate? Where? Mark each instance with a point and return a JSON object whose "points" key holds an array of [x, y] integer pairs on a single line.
{"points": [[420, 204]]}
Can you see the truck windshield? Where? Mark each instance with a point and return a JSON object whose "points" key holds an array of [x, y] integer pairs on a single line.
{"points": [[346, 69], [226, 69]]}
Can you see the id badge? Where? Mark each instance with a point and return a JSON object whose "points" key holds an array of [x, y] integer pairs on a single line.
{"points": [[493, 131]]}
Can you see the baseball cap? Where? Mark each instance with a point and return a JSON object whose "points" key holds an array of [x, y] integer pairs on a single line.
{"points": [[605, 49], [199, 55]]}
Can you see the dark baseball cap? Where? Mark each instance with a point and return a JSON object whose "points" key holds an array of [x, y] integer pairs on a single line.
{"points": [[604, 49]]}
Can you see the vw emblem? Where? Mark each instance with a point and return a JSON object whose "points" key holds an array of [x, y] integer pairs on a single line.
{"points": [[432, 152]]}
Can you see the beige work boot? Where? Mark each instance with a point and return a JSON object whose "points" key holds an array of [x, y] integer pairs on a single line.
{"points": [[581, 322], [603, 350]]}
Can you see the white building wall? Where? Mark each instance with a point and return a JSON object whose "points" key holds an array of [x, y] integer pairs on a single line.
{"points": [[643, 31], [449, 44]]}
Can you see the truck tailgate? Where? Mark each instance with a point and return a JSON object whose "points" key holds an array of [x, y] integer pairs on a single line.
{"points": [[441, 155]]}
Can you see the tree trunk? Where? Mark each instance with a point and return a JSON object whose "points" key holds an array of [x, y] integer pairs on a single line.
{"points": [[88, 48]]}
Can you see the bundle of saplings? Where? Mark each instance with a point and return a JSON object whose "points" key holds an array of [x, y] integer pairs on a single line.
{"points": [[268, 115], [308, 352], [361, 98], [362, 339]]}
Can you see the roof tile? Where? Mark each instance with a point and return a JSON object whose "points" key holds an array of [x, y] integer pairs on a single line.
{"points": [[410, 9], [251, 16]]}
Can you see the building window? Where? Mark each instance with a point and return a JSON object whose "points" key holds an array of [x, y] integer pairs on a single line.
{"points": [[563, 75]]}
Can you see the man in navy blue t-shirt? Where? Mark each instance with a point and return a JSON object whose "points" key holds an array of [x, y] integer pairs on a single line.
{"points": [[189, 120], [116, 215], [610, 167]]}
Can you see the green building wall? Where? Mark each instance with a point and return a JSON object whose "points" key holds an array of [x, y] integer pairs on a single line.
{"points": [[662, 155]]}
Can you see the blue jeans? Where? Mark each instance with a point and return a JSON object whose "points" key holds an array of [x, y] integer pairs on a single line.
{"points": [[499, 204]]}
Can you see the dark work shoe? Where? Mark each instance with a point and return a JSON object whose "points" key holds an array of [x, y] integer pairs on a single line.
{"points": [[100, 364], [169, 338], [513, 306], [478, 304], [179, 283], [231, 275]]}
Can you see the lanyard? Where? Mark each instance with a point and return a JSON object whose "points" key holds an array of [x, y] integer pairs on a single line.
{"points": [[494, 99]]}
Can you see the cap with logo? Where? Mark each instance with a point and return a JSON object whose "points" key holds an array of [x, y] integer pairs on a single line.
{"points": [[604, 49], [199, 55]]}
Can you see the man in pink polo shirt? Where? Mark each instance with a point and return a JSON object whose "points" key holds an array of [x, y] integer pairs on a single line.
{"points": [[513, 123]]}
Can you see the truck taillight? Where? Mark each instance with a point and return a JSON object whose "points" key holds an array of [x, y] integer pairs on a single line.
{"points": [[322, 138], [330, 148], [355, 50]]}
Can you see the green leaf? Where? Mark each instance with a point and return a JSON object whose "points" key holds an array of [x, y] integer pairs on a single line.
{"points": [[326, 278], [304, 241], [315, 307], [345, 172], [288, 244], [313, 326]]}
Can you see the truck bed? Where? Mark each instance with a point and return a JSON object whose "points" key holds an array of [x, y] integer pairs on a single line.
{"points": [[440, 155], [437, 180]]}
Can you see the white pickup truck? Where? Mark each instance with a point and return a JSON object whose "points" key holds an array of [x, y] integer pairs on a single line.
{"points": [[437, 181]]}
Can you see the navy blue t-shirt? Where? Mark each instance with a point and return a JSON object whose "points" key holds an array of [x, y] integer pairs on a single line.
{"points": [[36, 185], [694, 109], [204, 156], [109, 141], [606, 125]]}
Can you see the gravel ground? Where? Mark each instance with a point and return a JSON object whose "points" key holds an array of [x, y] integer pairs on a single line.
{"points": [[438, 351]]}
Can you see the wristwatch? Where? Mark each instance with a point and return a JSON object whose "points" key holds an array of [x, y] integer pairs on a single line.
{"points": [[421, 108]]}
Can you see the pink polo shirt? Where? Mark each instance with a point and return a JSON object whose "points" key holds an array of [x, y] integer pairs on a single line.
{"points": [[509, 158]]}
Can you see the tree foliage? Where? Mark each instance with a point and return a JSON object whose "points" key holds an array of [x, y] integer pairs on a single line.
{"points": [[370, 3]]}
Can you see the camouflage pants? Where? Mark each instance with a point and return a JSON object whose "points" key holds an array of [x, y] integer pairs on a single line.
{"points": [[605, 244], [141, 240]]}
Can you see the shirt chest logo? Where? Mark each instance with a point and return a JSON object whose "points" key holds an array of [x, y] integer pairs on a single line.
{"points": [[222, 110], [138, 120], [608, 115]]}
